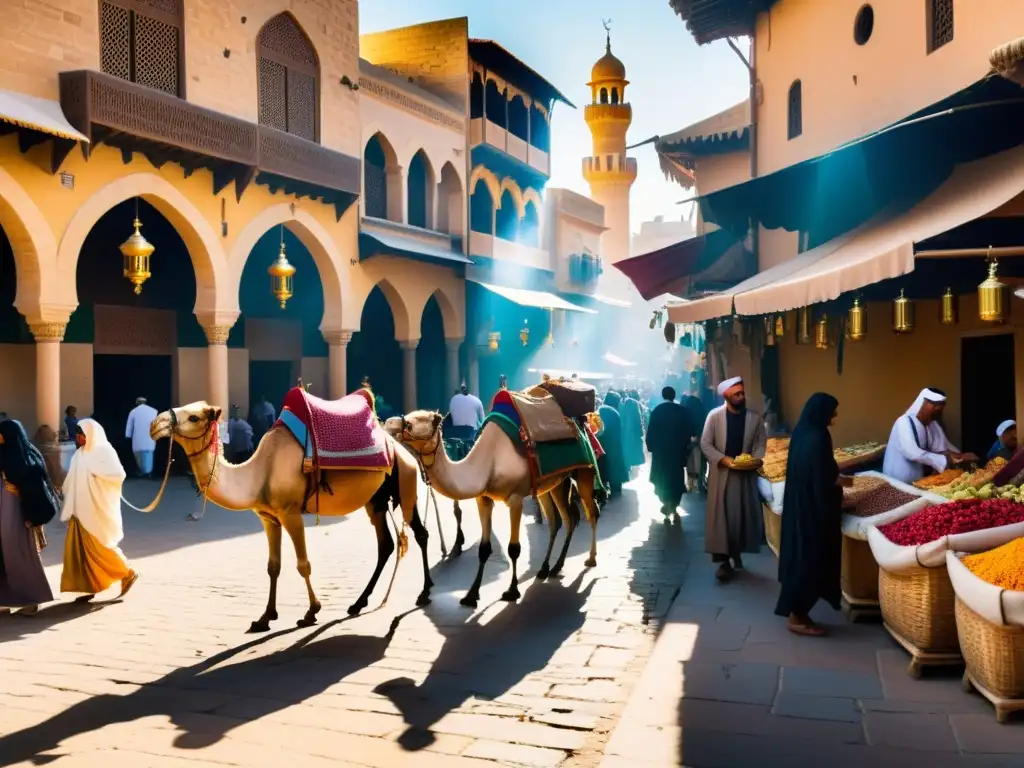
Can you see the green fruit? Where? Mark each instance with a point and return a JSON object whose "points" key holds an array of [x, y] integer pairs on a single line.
{"points": [[985, 493], [960, 496]]}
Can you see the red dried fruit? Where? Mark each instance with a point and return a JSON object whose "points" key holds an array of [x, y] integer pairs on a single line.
{"points": [[952, 518]]}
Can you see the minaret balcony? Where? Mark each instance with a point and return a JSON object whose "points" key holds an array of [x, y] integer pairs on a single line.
{"points": [[603, 113], [609, 167]]}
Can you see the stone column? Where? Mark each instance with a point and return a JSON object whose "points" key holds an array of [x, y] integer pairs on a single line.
{"points": [[452, 370], [337, 365], [217, 367], [474, 371], [409, 374], [48, 337], [396, 194]]}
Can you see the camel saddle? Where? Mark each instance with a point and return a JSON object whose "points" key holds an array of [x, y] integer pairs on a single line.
{"points": [[337, 434], [576, 398], [540, 417]]}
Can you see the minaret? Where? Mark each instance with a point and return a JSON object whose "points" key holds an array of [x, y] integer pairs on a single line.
{"points": [[609, 172]]}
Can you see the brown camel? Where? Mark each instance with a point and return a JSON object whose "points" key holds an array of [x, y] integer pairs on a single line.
{"points": [[493, 471], [273, 485]]}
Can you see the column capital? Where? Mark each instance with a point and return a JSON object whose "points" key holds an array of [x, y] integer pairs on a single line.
{"points": [[454, 344], [217, 335], [409, 344], [44, 332], [338, 338]]}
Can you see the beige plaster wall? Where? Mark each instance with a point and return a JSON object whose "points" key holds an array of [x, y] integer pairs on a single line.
{"points": [[715, 172], [18, 381]]}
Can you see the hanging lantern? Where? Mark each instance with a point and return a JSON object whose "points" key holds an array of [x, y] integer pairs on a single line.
{"points": [[856, 324], [524, 334], [949, 308], [281, 273], [992, 297], [493, 340], [670, 333], [821, 333], [136, 251], [780, 326], [769, 332], [803, 325], [903, 314]]}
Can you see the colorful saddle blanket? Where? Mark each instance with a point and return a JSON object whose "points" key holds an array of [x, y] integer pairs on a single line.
{"points": [[337, 434], [540, 417]]}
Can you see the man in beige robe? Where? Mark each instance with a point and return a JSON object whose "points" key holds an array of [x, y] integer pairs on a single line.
{"points": [[733, 522]]}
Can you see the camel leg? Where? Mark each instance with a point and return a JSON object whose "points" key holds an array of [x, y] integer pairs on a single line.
{"points": [[585, 485], [385, 548], [571, 516], [554, 523], [485, 506], [297, 532], [273, 530], [420, 532], [515, 508], [408, 496], [460, 538]]}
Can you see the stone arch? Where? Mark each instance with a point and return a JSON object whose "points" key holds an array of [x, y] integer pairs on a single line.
{"points": [[315, 238], [508, 184], [399, 310], [519, 117], [449, 201], [204, 248], [495, 103], [486, 175], [421, 180], [288, 75], [530, 226], [454, 326], [382, 187], [33, 243], [506, 217]]}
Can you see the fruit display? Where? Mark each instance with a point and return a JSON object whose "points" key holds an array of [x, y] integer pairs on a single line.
{"points": [[880, 499], [978, 485], [948, 477], [777, 445], [777, 454], [862, 486], [859, 451], [1002, 566], [962, 516]]}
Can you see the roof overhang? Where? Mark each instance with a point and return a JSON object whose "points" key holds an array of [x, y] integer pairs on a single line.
{"points": [[376, 239], [529, 298], [723, 133], [710, 20], [501, 61], [36, 121]]}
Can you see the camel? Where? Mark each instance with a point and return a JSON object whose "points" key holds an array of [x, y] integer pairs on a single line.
{"points": [[272, 484], [493, 471]]}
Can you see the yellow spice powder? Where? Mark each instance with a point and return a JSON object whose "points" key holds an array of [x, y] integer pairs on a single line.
{"points": [[1002, 566]]}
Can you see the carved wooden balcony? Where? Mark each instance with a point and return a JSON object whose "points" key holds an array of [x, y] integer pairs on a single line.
{"points": [[164, 128]]}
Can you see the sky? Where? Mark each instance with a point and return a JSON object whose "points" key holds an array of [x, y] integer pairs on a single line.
{"points": [[673, 82]]}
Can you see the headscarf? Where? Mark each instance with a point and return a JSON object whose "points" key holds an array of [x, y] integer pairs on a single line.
{"points": [[612, 400], [930, 394], [24, 467], [92, 489]]}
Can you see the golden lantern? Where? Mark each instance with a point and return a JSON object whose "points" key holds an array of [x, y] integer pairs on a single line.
{"points": [[136, 251], [493, 340], [992, 297], [949, 308], [524, 334], [281, 273], [780, 326], [857, 322], [803, 325], [821, 333], [903, 314]]}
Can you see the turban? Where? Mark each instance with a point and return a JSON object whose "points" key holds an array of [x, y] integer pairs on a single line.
{"points": [[728, 384], [928, 394], [1008, 424]]}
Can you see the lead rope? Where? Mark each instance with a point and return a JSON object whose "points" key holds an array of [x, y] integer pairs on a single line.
{"points": [[432, 497], [163, 485]]}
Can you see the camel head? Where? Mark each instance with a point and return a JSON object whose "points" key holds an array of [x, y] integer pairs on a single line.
{"points": [[421, 431], [191, 425]]}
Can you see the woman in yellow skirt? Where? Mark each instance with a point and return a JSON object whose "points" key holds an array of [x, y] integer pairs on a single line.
{"points": [[92, 510]]}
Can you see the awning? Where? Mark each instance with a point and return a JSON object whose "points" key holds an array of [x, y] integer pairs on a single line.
{"points": [[881, 249], [616, 360], [583, 375], [43, 115], [527, 298], [609, 300], [677, 267], [376, 243]]}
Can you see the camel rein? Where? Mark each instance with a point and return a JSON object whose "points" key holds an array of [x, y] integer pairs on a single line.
{"points": [[431, 496]]}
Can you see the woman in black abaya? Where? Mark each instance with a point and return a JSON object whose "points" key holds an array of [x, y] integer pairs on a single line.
{"points": [[810, 556]]}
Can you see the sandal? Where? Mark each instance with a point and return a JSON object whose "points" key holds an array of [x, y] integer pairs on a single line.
{"points": [[806, 629], [127, 583], [84, 598], [29, 610]]}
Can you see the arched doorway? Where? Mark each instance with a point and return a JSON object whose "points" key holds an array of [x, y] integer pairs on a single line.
{"points": [[506, 218], [420, 183], [283, 344], [431, 356], [381, 192], [449, 202], [375, 353], [17, 353], [481, 208], [529, 229]]}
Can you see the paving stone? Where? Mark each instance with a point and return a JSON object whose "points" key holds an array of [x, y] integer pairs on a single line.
{"points": [[905, 731], [830, 682], [740, 683], [810, 707], [757, 720], [982, 734], [515, 754]]}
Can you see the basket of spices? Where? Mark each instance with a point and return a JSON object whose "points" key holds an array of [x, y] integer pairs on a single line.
{"points": [[914, 590], [989, 589]]}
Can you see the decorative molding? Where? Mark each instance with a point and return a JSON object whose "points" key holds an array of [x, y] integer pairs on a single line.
{"points": [[48, 332], [217, 335], [409, 345], [338, 338], [404, 100]]}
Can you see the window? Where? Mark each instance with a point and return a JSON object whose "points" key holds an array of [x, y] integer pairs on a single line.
{"points": [[289, 78], [140, 41], [604, 95], [940, 23], [615, 95], [864, 24], [796, 109]]}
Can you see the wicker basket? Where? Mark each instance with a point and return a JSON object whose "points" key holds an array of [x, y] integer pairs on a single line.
{"points": [[860, 571], [772, 528], [994, 654], [918, 606]]}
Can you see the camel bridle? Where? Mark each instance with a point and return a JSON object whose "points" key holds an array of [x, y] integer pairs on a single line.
{"points": [[427, 452]]}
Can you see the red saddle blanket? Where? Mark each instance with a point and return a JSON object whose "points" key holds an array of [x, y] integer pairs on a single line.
{"points": [[337, 434]]}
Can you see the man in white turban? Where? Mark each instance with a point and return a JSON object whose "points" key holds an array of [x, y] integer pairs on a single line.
{"points": [[1005, 445], [918, 443], [733, 523]]}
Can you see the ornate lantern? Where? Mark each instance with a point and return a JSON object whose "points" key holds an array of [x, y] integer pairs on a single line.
{"points": [[780, 326], [856, 324], [992, 297], [281, 273], [803, 325], [949, 308], [136, 251], [493, 340], [821, 333], [670, 333], [524, 333], [903, 314]]}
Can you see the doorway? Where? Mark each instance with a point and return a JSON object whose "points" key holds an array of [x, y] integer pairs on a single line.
{"points": [[272, 378], [988, 389], [117, 381]]}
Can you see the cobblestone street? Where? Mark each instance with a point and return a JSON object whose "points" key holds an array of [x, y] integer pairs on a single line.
{"points": [[168, 677]]}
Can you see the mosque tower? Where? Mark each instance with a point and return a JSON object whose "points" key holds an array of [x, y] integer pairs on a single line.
{"points": [[609, 172]]}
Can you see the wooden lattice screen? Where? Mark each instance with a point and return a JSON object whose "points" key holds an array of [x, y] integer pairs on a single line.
{"points": [[289, 78], [141, 41]]}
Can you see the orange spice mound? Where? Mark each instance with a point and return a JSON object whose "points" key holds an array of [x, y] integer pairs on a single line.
{"points": [[1002, 566]]}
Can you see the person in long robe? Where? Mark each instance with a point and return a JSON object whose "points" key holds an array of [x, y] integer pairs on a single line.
{"points": [[696, 463], [612, 465], [28, 501], [1005, 445], [810, 557], [733, 523], [93, 561], [918, 443], [631, 416], [669, 439], [140, 419]]}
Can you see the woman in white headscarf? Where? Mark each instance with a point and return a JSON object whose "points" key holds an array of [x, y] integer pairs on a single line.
{"points": [[92, 510]]}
